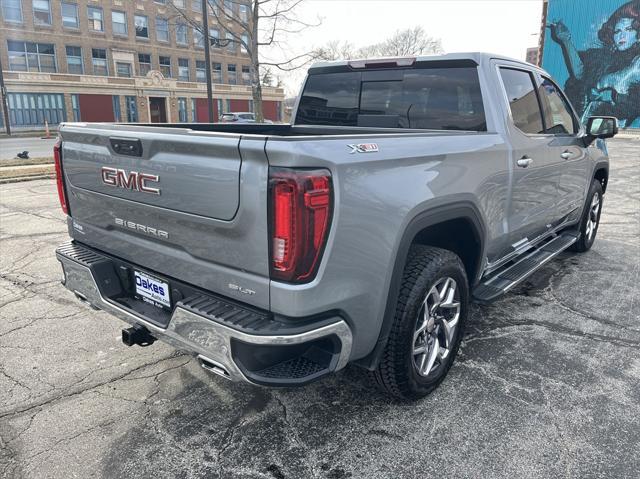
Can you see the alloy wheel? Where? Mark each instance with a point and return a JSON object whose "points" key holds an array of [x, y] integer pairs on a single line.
{"points": [[434, 335], [592, 220]]}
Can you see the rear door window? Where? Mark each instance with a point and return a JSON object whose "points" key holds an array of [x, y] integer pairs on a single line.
{"points": [[557, 115], [523, 101], [421, 98]]}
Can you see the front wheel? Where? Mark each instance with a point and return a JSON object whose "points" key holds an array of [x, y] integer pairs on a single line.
{"points": [[428, 325], [590, 219]]}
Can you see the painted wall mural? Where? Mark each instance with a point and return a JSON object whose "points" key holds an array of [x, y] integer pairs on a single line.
{"points": [[592, 47]]}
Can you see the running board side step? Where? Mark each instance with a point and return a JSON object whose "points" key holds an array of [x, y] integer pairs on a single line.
{"points": [[511, 275]]}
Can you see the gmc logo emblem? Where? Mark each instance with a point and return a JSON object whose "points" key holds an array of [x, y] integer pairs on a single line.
{"points": [[129, 181]]}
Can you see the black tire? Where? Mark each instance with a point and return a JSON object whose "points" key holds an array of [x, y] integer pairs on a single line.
{"points": [[398, 371], [586, 240]]}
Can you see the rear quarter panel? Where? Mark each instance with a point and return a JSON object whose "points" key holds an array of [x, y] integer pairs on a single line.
{"points": [[376, 195]]}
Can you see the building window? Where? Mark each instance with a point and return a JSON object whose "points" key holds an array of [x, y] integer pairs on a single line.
{"points": [[214, 34], [165, 66], [232, 46], [132, 109], [182, 110], [244, 13], [196, 5], [161, 2], [228, 8], [178, 3], [244, 43], [18, 56], [75, 107], [194, 117], [246, 75], [123, 69], [216, 72], [142, 26], [227, 106], [33, 57], [181, 34], [201, 74], [12, 11], [162, 29], [96, 19], [198, 38], [74, 60], [32, 109], [183, 69], [116, 108], [42, 12], [69, 15], [119, 23], [232, 77], [99, 62], [144, 61]]}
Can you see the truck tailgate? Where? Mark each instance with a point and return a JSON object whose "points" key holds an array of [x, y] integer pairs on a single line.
{"points": [[189, 205]]}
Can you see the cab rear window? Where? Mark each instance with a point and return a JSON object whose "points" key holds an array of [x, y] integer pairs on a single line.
{"points": [[425, 98]]}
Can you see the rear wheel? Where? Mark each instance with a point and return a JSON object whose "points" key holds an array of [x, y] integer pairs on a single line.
{"points": [[590, 219], [428, 324]]}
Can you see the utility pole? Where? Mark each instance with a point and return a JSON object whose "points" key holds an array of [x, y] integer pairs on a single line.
{"points": [[207, 57], [3, 93]]}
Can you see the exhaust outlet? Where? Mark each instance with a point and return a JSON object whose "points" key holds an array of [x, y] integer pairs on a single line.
{"points": [[212, 367], [137, 335]]}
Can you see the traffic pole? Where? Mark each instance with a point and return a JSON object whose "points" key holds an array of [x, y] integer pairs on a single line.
{"points": [[207, 56]]}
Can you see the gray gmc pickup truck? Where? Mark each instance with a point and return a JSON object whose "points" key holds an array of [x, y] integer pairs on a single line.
{"points": [[403, 190]]}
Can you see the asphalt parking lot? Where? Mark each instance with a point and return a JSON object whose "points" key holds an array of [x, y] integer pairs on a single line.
{"points": [[547, 383]]}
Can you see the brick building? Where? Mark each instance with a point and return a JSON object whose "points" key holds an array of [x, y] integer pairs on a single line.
{"points": [[119, 60]]}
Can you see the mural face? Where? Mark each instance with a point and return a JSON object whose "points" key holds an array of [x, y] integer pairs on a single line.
{"points": [[594, 48]]}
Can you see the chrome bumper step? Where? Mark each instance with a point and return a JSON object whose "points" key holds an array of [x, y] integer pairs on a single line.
{"points": [[223, 334]]}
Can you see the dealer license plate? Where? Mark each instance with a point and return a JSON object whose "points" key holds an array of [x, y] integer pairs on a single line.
{"points": [[152, 288]]}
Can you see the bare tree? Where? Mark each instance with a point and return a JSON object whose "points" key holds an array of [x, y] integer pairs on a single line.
{"points": [[412, 41], [336, 50], [259, 23], [408, 42]]}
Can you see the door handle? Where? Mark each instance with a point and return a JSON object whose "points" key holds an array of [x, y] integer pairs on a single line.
{"points": [[566, 155], [524, 162]]}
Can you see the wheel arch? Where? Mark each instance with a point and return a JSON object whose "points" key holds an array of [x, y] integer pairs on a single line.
{"points": [[601, 173], [461, 216]]}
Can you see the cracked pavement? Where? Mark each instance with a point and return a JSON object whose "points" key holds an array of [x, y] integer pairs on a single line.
{"points": [[547, 383]]}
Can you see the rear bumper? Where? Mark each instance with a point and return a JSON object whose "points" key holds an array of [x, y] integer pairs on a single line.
{"points": [[268, 353]]}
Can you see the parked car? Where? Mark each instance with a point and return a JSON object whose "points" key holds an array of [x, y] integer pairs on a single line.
{"points": [[278, 254], [241, 117]]}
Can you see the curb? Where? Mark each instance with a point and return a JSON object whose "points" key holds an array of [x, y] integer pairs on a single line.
{"points": [[18, 179], [12, 163], [11, 174]]}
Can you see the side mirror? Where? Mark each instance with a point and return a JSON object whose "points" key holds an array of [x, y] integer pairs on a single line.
{"points": [[602, 127]]}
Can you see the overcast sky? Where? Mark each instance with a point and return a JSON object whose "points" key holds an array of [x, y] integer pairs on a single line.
{"points": [[506, 27]]}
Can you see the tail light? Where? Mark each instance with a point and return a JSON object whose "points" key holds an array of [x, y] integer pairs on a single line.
{"points": [[300, 213], [57, 156]]}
